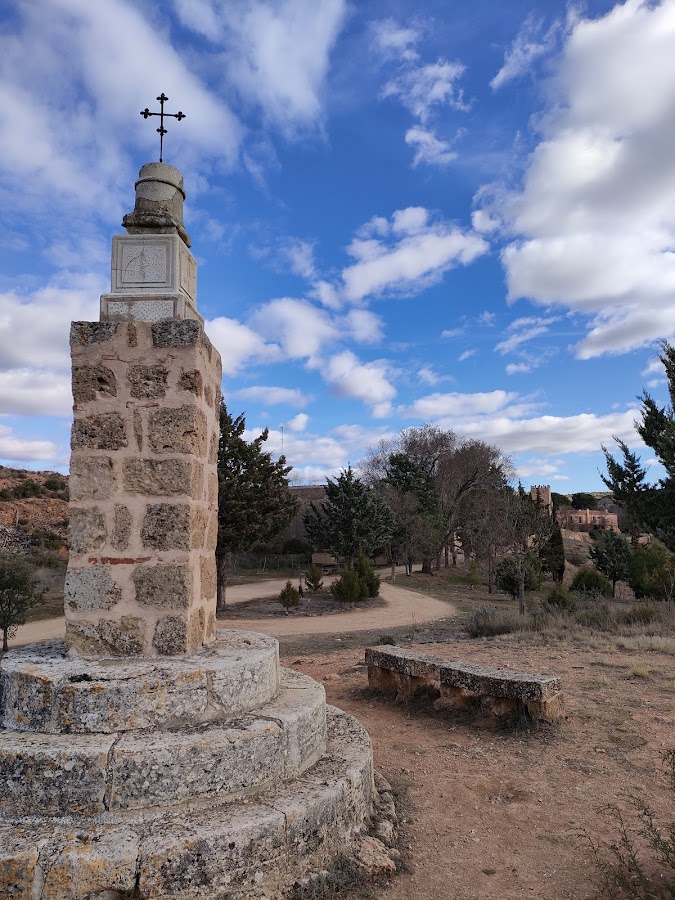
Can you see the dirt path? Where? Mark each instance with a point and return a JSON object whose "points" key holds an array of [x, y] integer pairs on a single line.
{"points": [[402, 608]]}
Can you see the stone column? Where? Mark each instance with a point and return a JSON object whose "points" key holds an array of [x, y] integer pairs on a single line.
{"points": [[143, 484]]}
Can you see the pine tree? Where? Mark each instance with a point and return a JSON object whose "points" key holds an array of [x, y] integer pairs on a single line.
{"points": [[552, 555], [254, 503], [351, 518], [650, 506]]}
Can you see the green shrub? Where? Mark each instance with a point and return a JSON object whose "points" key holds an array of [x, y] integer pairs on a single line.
{"points": [[289, 597], [386, 639], [27, 488], [314, 578], [597, 615], [368, 575], [560, 598], [590, 581], [488, 621], [349, 588]]}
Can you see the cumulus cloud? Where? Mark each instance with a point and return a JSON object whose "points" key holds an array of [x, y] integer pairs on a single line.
{"points": [[349, 377], [297, 325], [364, 326], [423, 88], [428, 375], [409, 257], [299, 255], [593, 226], [238, 344], [395, 41], [552, 435], [434, 406], [298, 423], [273, 396]]}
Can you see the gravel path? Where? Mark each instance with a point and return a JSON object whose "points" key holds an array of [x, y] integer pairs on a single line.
{"points": [[403, 607]]}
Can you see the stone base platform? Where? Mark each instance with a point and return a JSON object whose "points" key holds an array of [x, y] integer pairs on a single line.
{"points": [[228, 778]]}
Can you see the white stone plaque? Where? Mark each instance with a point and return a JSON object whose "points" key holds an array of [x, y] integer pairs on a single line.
{"points": [[145, 264]]}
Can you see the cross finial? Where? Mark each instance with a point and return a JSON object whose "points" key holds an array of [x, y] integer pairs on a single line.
{"points": [[161, 131]]}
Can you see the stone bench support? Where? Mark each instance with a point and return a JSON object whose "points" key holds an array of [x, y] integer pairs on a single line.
{"points": [[407, 674]]}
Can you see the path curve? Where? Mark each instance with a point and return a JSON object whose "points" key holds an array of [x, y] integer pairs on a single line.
{"points": [[403, 607]]}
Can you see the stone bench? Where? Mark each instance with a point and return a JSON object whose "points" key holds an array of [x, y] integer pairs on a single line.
{"points": [[406, 674]]}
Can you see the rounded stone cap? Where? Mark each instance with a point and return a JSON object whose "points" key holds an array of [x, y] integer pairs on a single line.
{"points": [[154, 174], [159, 202]]}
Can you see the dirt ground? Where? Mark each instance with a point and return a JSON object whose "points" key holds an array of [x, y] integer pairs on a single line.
{"points": [[493, 815]]}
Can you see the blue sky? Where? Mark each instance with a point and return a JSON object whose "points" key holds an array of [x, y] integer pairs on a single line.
{"points": [[403, 212]]}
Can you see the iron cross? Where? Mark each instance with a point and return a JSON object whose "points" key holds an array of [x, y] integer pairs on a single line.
{"points": [[161, 131]]}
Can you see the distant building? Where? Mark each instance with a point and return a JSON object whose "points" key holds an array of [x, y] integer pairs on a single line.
{"points": [[587, 519]]}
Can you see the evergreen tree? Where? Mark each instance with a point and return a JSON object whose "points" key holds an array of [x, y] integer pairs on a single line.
{"points": [[411, 496], [18, 593], [552, 555], [351, 518], [626, 481], [611, 555], [254, 502], [651, 506], [583, 500]]}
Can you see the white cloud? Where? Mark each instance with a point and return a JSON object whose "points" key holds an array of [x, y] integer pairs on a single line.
{"points": [[466, 355], [32, 392], [238, 344], [297, 325], [525, 329], [486, 318], [429, 150], [300, 256], [273, 395], [65, 49], [518, 368], [539, 469], [364, 326], [654, 367], [529, 45], [395, 41], [15, 449], [434, 406], [276, 54], [349, 377], [448, 333], [428, 375], [327, 294], [298, 423], [410, 263], [422, 88], [553, 435], [593, 224]]}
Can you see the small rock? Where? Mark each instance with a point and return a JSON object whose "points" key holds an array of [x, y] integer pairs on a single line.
{"points": [[373, 857]]}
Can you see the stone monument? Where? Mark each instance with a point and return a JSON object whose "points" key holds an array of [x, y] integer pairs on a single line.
{"points": [[147, 755]]}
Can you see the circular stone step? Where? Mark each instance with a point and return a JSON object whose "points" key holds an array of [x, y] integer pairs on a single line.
{"points": [[43, 690], [90, 774], [239, 850]]}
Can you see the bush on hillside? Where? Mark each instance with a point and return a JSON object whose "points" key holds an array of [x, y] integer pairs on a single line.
{"points": [[590, 581], [488, 621], [368, 575], [314, 578], [560, 598], [508, 574]]}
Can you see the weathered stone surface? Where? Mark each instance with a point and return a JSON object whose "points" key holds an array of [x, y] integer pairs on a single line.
{"points": [[191, 381], [171, 636], [86, 529], [91, 588], [200, 518], [137, 425], [83, 333], [89, 382], [166, 526], [107, 637], [179, 429], [91, 478], [208, 576], [105, 432], [178, 333], [132, 335], [499, 682], [163, 586], [41, 689], [121, 527], [300, 709], [53, 774], [161, 477], [147, 382], [167, 768], [213, 449]]}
